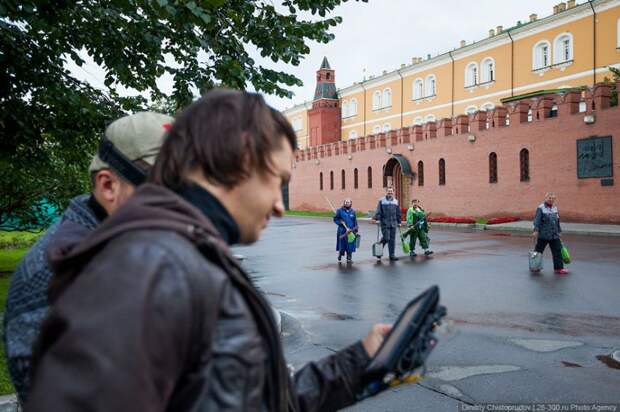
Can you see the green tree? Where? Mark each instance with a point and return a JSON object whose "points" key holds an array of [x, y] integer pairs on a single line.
{"points": [[614, 91], [50, 122]]}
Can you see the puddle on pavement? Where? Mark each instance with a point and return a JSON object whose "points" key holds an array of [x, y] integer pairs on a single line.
{"points": [[571, 364], [609, 361], [336, 316]]}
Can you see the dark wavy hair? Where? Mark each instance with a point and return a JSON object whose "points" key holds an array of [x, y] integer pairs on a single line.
{"points": [[226, 135]]}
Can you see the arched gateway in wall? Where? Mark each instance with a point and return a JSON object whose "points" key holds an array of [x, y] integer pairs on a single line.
{"points": [[400, 176]]}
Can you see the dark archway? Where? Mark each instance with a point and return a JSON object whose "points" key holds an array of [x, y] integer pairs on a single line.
{"points": [[398, 170]]}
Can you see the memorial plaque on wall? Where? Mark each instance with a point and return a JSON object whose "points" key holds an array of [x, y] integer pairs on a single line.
{"points": [[594, 157]]}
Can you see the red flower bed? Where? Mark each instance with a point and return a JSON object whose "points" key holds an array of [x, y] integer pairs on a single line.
{"points": [[498, 220], [452, 219]]}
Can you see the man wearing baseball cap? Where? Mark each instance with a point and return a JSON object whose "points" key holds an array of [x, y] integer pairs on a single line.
{"points": [[127, 150]]}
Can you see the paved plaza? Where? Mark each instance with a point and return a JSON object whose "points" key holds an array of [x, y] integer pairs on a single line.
{"points": [[511, 336]]}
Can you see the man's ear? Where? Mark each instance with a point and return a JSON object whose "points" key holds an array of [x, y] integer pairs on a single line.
{"points": [[106, 185]]}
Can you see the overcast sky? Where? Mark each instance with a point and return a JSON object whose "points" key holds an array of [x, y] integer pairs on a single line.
{"points": [[382, 34]]}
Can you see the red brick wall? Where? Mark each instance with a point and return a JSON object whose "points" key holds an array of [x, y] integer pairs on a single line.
{"points": [[324, 122], [552, 162]]}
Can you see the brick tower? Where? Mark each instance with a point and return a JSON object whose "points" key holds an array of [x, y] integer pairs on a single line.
{"points": [[324, 117]]}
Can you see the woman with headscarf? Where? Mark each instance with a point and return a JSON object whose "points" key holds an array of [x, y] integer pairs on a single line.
{"points": [[347, 230]]}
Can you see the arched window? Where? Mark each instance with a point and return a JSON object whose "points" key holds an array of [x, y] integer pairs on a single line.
{"points": [[342, 178], [487, 70], [321, 181], [524, 161], [355, 179], [418, 121], [493, 168], [387, 98], [418, 89], [529, 115], [554, 111], [563, 48], [376, 129], [471, 74], [442, 172], [376, 100], [471, 110], [345, 109], [331, 180], [387, 127], [352, 134], [541, 55], [487, 107], [353, 107], [369, 177], [420, 173], [431, 83]]}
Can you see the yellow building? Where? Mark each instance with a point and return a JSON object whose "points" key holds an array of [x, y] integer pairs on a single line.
{"points": [[572, 47]]}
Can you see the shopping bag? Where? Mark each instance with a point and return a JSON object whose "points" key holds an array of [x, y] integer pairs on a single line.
{"points": [[404, 243], [351, 237], [358, 240], [535, 261], [565, 254]]}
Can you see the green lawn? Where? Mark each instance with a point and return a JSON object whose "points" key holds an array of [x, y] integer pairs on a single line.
{"points": [[6, 387], [9, 258], [13, 245]]}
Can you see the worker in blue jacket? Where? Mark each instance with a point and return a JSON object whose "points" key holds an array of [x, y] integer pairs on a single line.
{"points": [[347, 230]]}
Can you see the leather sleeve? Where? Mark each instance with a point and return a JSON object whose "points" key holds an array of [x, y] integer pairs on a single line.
{"points": [[118, 338], [333, 382]]}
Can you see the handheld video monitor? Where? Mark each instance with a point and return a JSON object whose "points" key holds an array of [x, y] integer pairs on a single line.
{"points": [[411, 339]]}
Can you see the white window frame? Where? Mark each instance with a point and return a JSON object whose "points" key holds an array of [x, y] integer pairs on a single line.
{"points": [[471, 109], [418, 89], [344, 107], [376, 100], [618, 34], [418, 121], [352, 135], [376, 129], [353, 107], [559, 55], [488, 106], [387, 127], [471, 74], [485, 76], [583, 106], [537, 61], [387, 97], [430, 85]]}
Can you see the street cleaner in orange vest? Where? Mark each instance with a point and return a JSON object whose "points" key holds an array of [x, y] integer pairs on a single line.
{"points": [[418, 228]]}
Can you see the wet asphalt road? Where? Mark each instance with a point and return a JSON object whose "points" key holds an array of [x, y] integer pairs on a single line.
{"points": [[511, 337]]}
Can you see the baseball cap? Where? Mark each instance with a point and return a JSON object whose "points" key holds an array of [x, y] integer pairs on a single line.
{"points": [[137, 137]]}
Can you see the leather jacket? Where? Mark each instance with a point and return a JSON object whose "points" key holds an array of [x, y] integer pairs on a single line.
{"points": [[152, 313]]}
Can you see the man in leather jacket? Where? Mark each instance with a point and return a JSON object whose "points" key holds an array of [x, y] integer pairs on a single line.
{"points": [[152, 312]]}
